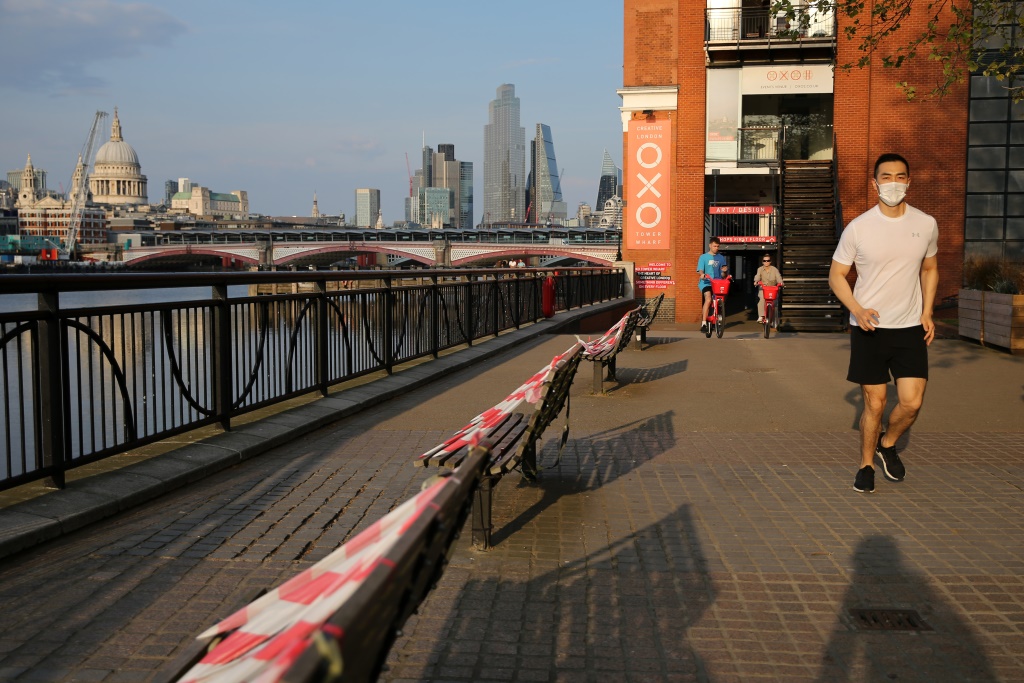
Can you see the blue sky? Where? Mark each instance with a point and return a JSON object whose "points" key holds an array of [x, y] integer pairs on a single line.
{"points": [[281, 99]]}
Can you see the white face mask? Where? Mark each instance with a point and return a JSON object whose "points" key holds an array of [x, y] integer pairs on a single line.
{"points": [[892, 194]]}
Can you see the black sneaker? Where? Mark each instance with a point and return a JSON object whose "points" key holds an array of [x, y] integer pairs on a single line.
{"points": [[865, 481], [891, 464]]}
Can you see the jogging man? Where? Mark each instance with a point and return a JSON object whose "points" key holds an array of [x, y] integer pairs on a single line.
{"points": [[710, 266], [894, 247]]}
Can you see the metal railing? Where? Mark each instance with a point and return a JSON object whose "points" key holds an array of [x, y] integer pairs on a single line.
{"points": [[85, 383], [761, 144], [748, 24]]}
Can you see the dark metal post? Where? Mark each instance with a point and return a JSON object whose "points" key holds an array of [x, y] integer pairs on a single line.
{"points": [[435, 316], [467, 314], [482, 513], [52, 421], [496, 306], [389, 326], [322, 368], [517, 300], [223, 391]]}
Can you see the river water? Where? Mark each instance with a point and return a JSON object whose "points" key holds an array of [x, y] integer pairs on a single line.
{"points": [[12, 303]]}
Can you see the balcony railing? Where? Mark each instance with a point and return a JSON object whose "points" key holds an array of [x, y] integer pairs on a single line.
{"points": [[760, 144], [743, 24], [769, 145], [742, 223]]}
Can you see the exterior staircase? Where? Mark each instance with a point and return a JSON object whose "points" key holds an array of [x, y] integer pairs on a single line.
{"points": [[808, 241]]}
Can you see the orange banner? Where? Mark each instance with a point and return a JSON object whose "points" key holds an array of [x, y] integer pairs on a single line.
{"points": [[648, 185]]}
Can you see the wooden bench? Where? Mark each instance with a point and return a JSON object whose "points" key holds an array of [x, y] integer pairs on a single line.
{"points": [[647, 315], [603, 350], [510, 434], [338, 619]]}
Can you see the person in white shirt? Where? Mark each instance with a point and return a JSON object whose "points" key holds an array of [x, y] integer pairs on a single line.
{"points": [[894, 247]]}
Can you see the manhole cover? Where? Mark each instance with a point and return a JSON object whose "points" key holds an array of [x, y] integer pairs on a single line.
{"points": [[887, 620]]}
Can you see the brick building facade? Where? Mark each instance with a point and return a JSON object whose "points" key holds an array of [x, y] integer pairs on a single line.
{"points": [[673, 50]]}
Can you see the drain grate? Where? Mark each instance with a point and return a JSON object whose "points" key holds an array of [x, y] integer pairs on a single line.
{"points": [[888, 620]]}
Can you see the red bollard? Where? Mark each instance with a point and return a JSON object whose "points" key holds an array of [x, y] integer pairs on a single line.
{"points": [[547, 300]]}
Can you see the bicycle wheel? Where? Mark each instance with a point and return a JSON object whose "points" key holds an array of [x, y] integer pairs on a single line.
{"points": [[719, 314]]}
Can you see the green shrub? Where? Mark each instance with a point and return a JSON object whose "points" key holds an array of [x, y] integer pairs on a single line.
{"points": [[994, 275]]}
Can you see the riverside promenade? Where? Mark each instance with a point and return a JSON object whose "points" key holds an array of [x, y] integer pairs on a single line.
{"points": [[700, 526]]}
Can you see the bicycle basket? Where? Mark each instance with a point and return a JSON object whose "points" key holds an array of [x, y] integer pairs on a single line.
{"points": [[770, 293], [720, 286]]}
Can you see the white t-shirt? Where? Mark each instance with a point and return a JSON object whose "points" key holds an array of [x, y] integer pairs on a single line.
{"points": [[888, 253]]}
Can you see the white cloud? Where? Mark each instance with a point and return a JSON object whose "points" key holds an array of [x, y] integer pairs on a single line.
{"points": [[54, 45]]}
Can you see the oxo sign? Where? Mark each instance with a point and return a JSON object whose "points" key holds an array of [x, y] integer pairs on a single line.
{"points": [[648, 183]]}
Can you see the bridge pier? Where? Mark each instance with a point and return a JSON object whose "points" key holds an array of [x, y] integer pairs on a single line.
{"points": [[442, 254], [266, 251]]}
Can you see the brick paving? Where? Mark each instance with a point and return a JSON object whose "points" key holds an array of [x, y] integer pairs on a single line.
{"points": [[699, 526]]}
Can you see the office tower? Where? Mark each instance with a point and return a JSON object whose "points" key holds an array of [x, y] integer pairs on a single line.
{"points": [[583, 214], [504, 159], [427, 156], [433, 206], [546, 187], [456, 176], [367, 206], [611, 178], [466, 194], [170, 189], [441, 170]]}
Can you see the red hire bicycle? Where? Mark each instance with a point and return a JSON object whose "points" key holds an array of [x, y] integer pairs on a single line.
{"points": [[771, 307], [716, 312]]}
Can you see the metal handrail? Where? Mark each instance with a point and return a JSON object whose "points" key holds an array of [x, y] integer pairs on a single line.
{"points": [[85, 383]]}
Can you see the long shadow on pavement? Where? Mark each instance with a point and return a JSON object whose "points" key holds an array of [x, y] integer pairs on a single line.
{"points": [[881, 580], [591, 462], [619, 612]]}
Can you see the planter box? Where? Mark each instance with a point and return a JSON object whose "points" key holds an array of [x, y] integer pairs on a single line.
{"points": [[991, 318]]}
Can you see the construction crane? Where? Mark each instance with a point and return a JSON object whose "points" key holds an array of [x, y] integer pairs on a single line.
{"points": [[80, 188]]}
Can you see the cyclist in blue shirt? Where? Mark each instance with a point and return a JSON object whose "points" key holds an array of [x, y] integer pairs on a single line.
{"points": [[710, 266]]}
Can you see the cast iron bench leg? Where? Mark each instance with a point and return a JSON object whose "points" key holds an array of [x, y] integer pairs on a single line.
{"points": [[482, 513], [598, 377], [611, 370]]}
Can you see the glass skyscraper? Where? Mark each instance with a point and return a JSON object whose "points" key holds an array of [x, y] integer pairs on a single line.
{"points": [[504, 159], [607, 186], [546, 187]]}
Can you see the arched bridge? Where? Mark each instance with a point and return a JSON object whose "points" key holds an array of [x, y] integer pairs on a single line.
{"points": [[321, 248]]}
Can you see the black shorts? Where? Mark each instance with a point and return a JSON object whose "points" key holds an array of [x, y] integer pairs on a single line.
{"points": [[704, 290], [875, 355]]}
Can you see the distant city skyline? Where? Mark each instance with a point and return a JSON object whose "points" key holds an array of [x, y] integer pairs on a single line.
{"points": [[302, 117]]}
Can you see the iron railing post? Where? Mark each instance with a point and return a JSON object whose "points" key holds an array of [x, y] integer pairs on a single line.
{"points": [[467, 312], [53, 407], [517, 300], [497, 306], [389, 326], [223, 391], [322, 363], [435, 316]]}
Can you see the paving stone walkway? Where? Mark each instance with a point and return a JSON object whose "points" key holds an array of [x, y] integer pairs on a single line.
{"points": [[699, 526]]}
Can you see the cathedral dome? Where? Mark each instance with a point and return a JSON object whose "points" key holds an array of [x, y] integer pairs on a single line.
{"points": [[117, 177], [117, 152]]}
